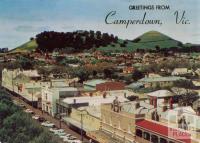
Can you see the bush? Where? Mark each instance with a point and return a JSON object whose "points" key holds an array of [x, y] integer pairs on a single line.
{"points": [[18, 127]]}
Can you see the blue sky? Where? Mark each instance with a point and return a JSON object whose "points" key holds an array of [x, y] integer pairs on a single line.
{"points": [[22, 19]]}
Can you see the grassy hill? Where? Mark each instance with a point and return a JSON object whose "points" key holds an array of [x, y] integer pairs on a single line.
{"points": [[27, 47], [148, 40]]}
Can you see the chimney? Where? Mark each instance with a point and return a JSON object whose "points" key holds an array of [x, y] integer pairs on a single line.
{"points": [[51, 84], [151, 100], [125, 94], [164, 108], [104, 95], [137, 105], [155, 102], [171, 103], [74, 101]]}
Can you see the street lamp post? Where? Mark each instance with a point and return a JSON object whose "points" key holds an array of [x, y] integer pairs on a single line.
{"points": [[82, 114], [32, 97], [124, 135], [60, 121], [81, 127]]}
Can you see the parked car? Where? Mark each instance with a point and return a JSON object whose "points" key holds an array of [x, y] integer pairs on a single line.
{"points": [[72, 138], [66, 140], [36, 117], [60, 133], [41, 119], [66, 136], [72, 141], [29, 111], [56, 130], [48, 124], [21, 105], [75, 141]]}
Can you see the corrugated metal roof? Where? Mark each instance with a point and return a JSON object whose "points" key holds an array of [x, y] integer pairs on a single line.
{"points": [[161, 93], [159, 79], [94, 82]]}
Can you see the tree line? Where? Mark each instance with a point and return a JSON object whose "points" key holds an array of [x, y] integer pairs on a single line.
{"points": [[49, 41]]}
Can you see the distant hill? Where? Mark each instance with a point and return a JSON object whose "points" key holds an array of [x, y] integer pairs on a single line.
{"points": [[149, 40], [26, 47]]}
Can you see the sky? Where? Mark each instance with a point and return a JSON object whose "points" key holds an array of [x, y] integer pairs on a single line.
{"points": [[22, 19]]}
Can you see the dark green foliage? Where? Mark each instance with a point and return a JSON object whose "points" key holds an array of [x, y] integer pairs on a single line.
{"points": [[78, 40], [66, 61], [137, 75], [17, 126], [79, 72], [26, 62]]}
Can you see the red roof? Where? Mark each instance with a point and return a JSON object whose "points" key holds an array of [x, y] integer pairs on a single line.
{"points": [[162, 130]]}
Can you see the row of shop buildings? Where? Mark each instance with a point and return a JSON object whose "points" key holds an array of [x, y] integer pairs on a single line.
{"points": [[103, 112]]}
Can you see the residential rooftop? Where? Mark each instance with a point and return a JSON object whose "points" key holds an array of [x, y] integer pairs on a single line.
{"points": [[160, 79], [94, 82]]}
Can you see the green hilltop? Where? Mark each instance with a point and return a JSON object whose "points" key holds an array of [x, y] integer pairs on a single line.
{"points": [[26, 47], [149, 40]]}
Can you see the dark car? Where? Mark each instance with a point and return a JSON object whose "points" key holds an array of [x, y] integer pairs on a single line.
{"points": [[41, 119]]}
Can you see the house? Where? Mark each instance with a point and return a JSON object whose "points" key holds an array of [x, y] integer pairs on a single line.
{"points": [[103, 85], [91, 84], [152, 82], [181, 72], [109, 86], [198, 72]]}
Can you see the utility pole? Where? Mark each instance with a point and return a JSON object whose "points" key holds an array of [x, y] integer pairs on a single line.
{"points": [[32, 97], [60, 121], [81, 127], [12, 82], [59, 112]]}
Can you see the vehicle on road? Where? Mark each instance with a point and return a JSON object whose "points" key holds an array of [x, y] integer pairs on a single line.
{"points": [[48, 124], [59, 133], [75, 141], [66, 136], [36, 117], [22, 105], [29, 111], [41, 119], [72, 138], [56, 130], [66, 140], [72, 141]]}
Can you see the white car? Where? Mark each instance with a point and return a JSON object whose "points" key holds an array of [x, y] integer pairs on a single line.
{"points": [[65, 136], [48, 124], [66, 140], [59, 133], [56, 130], [29, 111], [21, 105], [36, 117], [72, 138], [75, 141]]}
